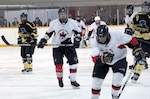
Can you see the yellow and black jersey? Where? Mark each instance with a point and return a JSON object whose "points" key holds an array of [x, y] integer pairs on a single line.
{"points": [[141, 25], [27, 30]]}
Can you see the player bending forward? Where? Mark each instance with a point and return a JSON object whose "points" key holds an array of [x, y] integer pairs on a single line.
{"points": [[63, 29], [109, 51]]}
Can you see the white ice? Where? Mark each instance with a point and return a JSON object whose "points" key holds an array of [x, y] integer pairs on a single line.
{"points": [[42, 83]]}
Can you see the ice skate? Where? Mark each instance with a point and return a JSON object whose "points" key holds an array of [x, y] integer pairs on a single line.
{"points": [[61, 84], [131, 66], [134, 78], [146, 66], [75, 85], [27, 70], [115, 97]]}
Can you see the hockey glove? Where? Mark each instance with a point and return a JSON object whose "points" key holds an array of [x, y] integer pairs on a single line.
{"points": [[107, 57], [78, 37], [19, 40], [42, 43], [139, 55], [129, 31]]}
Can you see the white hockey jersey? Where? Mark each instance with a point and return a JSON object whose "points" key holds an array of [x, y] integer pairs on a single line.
{"points": [[61, 31], [129, 19], [115, 46], [81, 24]]}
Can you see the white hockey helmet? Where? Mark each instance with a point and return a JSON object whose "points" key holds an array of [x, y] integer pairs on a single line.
{"points": [[97, 18]]}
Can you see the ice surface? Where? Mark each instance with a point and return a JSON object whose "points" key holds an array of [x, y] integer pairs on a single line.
{"points": [[42, 83]]}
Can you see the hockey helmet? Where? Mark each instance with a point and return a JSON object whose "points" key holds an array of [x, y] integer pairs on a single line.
{"points": [[62, 12], [97, 18], [102, 34], [129, 9], [146, 7], [23, 15], [102, 30]]}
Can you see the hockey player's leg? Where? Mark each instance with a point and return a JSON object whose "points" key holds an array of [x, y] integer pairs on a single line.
{"points": [[96, 87], [73, 71], [59, 73], [137, 71], [116, 84]]}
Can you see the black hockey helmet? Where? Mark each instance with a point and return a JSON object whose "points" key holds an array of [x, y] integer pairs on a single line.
{"points": [[23, 15], [146, 3], [62, 9], [63, 19], [130, 7], [102, 30], [103, 36]]}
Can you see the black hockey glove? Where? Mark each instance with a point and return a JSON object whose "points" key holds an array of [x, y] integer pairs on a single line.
{"points": [[19, 41], [107, 57], [42, 43], [139, 55], [78, 37], [28, 39], [129, 31]]}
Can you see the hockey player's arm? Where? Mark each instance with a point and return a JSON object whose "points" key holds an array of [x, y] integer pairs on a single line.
{"points": [[77, 35], [43, 41], [137, 51], [104, 58]]}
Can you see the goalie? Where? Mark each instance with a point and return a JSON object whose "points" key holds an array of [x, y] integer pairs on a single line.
{"points": [[109, 51]]}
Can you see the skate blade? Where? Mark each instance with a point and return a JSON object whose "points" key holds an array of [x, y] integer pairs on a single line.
{"points": [[134, 81], [74, 87], [26, 72]]}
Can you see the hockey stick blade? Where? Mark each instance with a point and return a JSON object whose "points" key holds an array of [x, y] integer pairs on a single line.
{"points": [[7, 43]]}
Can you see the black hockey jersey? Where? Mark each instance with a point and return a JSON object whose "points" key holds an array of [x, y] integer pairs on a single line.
{"points": [[141, 25], [27, 31]]}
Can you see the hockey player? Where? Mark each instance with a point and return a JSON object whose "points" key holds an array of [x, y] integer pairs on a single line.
{"points": [[82, 26], [63, 29], [141, 28], [109, 51], [129, 14], [128, 20], [93, 27], [27, 38]]}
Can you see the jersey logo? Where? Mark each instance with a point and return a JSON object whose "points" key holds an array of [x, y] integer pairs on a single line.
{"points": [[62, 33], [143, 23], [23, 31]]}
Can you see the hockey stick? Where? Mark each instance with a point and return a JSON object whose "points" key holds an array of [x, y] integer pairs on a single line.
{"points": [[144, 41], [7, 43], [125, 83]]}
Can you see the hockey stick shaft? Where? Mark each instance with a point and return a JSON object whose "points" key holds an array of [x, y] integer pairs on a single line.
{"points": [[7, 43], [125, 83], [144, 41]]}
